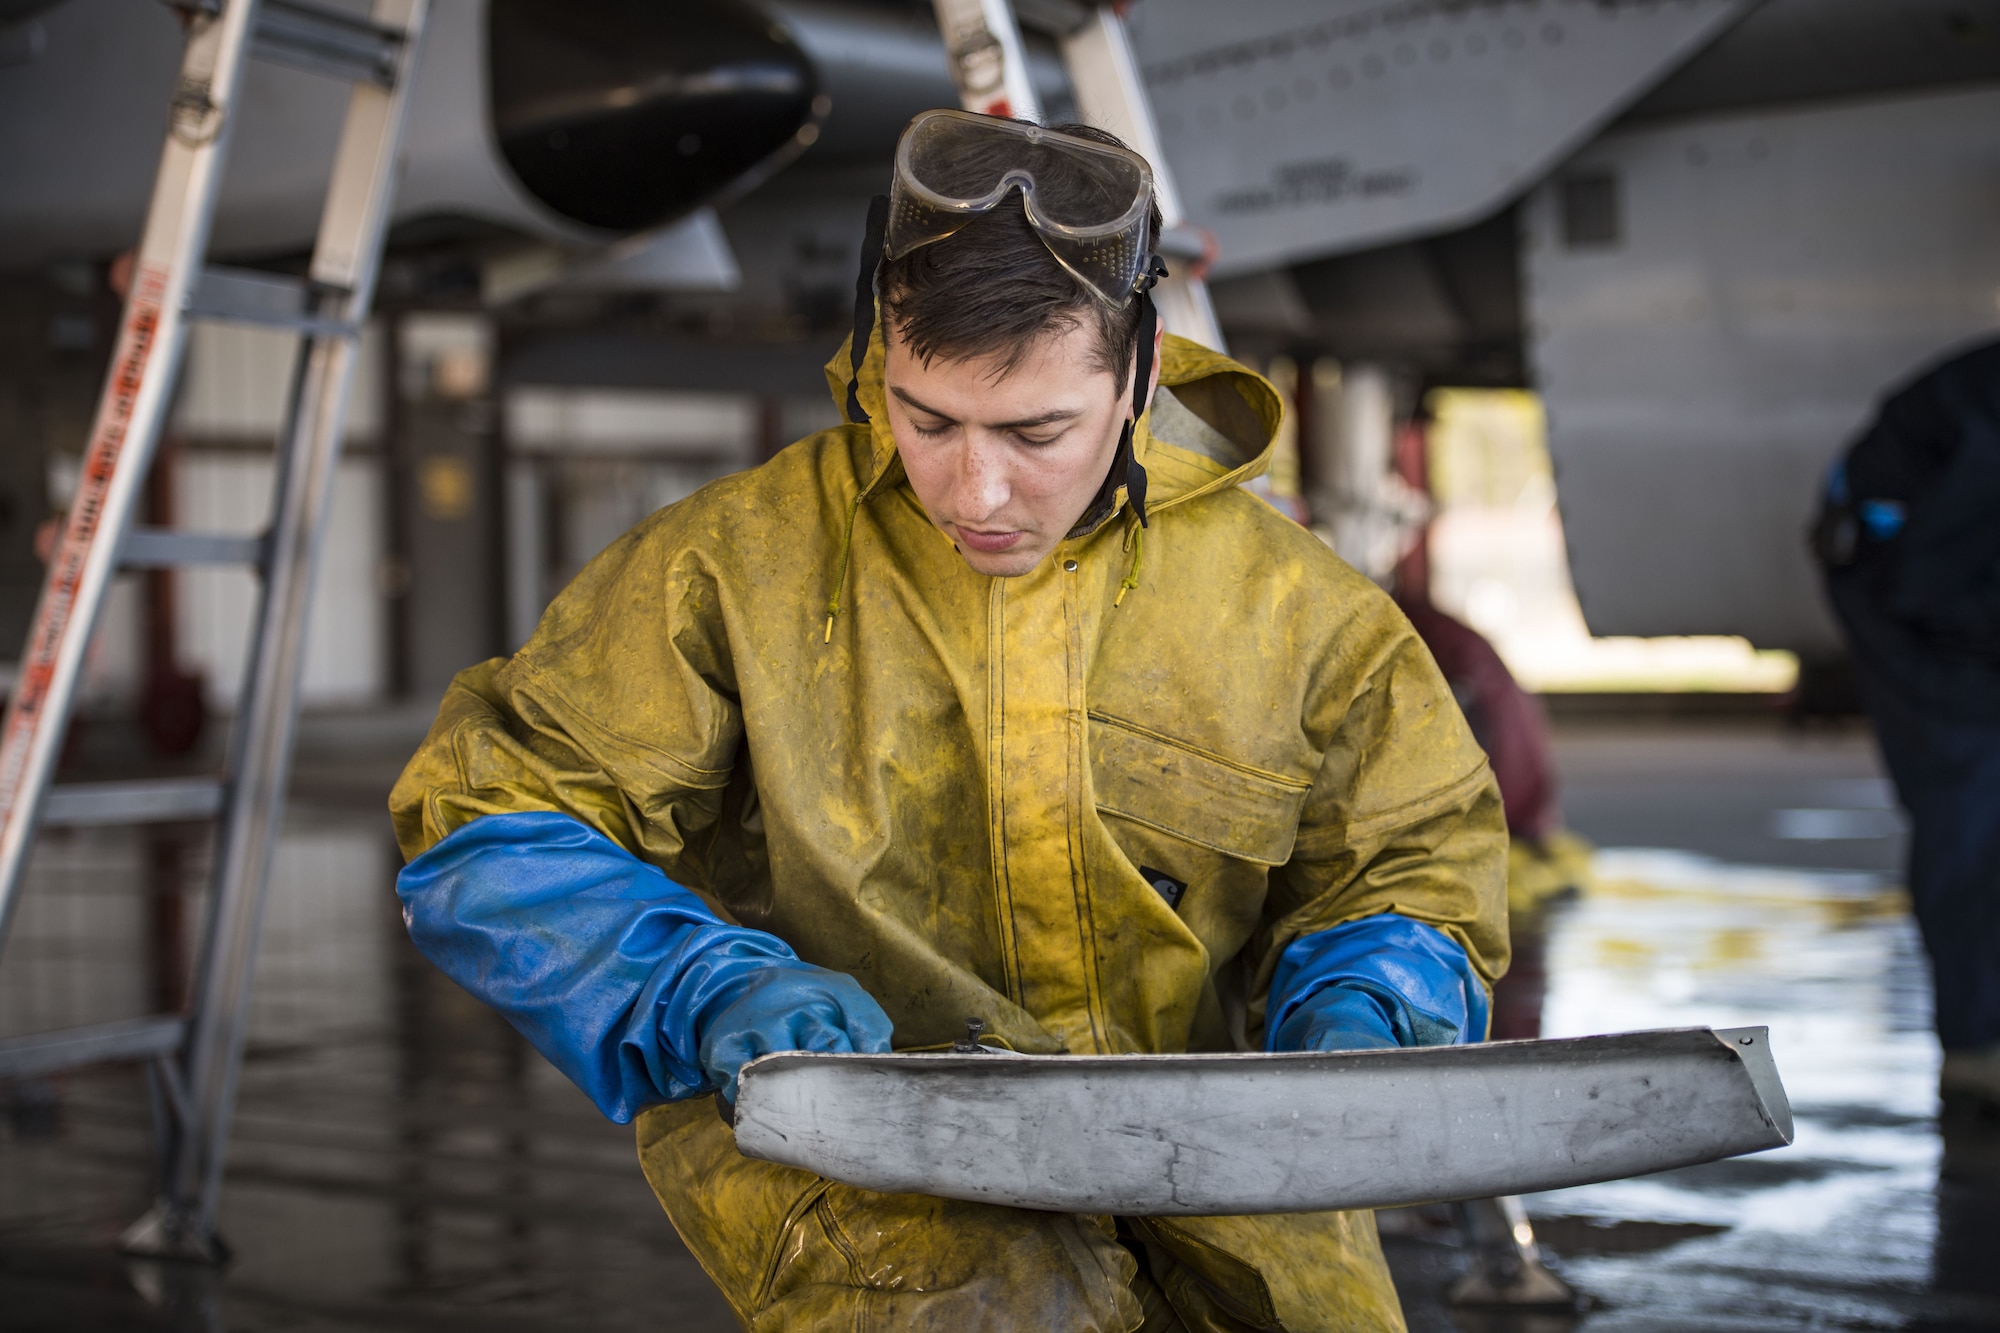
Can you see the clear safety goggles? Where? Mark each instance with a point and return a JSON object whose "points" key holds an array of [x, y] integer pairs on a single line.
{"points": [[1089, 202]]}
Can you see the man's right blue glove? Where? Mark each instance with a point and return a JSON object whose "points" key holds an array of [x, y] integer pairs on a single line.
{"points": [[624, 980], [786, 1006]]}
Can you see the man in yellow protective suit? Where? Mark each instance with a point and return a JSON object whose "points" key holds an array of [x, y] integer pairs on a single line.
{"points": [[1002, 700]]}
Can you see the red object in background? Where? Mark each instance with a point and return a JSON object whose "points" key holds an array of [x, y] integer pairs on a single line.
{"points": [[1519, 996], [1410, 454], [1505, 719], [1508, 724]]}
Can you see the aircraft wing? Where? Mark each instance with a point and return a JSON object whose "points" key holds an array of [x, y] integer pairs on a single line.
{"points": [[1303, 128]]}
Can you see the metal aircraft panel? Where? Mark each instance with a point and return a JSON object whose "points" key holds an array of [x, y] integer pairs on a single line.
{"points": [[1714, 307], [1303, 128], [1205, 1134]]}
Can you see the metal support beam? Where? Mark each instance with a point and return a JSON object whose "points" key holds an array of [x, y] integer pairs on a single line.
{"points": [[326, 41], [982, 40], [168, 548], [102, 1043], [160, 801], [1110, 95], [244, 296]]}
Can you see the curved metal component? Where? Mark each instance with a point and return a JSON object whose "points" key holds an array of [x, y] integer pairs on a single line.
{"points": [[1753, 1046], [879, 65], [1202, 1134], [625, 115]]}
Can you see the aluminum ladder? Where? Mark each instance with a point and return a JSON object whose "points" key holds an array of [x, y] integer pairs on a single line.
{"points": [[194, 1059]]}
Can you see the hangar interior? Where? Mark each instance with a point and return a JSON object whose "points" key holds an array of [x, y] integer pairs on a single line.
{"points": [[1572, 304]]}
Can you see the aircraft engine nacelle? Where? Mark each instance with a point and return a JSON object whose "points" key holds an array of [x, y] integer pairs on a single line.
{"points": [[574, 124], [626, 114]]}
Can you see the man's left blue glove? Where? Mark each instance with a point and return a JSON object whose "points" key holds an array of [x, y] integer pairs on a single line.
{"points": [[1377, 983]]}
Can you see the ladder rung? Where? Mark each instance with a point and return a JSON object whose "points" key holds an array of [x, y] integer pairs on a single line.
{"points": [[101, 1043], [243, 296], [159, 801], [168, 548], [326, 41]]}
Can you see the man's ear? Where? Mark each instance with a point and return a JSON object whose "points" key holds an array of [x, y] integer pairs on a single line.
{"points": [[1159, 337]]}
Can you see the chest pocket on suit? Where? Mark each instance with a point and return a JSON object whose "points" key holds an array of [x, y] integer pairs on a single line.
{"points": [[1191, 794]]}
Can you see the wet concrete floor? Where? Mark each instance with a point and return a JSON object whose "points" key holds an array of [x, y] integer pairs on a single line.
{"points": [[402, 1161]]}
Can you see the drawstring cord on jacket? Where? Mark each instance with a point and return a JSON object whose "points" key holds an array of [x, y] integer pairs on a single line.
{"points": [[840, 572], [1135, 534], [857, 353]]}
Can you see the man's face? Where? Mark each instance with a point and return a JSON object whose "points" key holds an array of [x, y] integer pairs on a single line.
{"points": [[1006, 464]]}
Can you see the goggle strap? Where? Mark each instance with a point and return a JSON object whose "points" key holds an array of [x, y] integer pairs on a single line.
{"points": [[1142, 374], [864, 304]]}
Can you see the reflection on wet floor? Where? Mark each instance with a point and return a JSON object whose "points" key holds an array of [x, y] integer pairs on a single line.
{"points": [[402, 1161], [401, 1158], [1848, 1228]]}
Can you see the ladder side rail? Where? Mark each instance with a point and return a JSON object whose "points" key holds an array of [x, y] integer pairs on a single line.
{"points": [[174, 1228], [230, 931], [137, 395], [1104, 77], [346, 261], [989, 65], [1110, 94]]}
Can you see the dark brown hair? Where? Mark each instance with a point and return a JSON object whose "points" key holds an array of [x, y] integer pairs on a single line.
{"points": [[991, 289]]}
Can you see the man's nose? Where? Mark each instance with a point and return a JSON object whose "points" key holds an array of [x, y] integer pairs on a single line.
{"points": [[983, 486]]}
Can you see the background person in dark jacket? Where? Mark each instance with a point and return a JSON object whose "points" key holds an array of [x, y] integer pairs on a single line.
{"points": [[1910, 539]]}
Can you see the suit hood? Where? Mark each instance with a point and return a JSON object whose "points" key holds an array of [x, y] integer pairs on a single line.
{"points": [[1212, 423]]}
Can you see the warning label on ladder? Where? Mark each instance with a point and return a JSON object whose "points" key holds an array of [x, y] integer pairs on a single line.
{"points": [[100, 464]]}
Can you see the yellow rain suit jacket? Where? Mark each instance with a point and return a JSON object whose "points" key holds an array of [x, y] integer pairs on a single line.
{"points": [[951, 794]]}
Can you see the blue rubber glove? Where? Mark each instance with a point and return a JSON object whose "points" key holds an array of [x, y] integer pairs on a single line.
{"points": [[1380, 982], [1339, 1018], [781, 1007], [617, 975]]}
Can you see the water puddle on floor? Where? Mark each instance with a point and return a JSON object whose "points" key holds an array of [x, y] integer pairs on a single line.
{"points": [[400, 1161], [1848, 1227]]}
